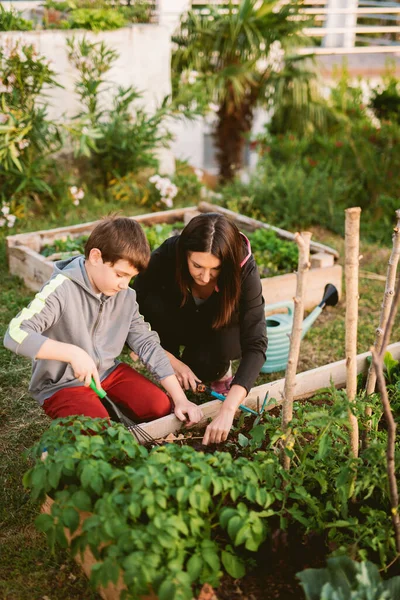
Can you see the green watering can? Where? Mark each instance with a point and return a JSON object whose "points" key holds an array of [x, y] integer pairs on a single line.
{"points": [[279, 328]]}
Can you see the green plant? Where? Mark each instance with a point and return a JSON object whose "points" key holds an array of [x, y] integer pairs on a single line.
{"points": [[96, 19], [345, 579], [272, 254], [28, 138], [11, 20], [239, 53], [65, 246], [115, 140]]}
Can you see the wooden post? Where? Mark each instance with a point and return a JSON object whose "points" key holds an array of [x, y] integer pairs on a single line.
{"points": [[377, 358], [352, 253], [303, 243], [386, 304]]}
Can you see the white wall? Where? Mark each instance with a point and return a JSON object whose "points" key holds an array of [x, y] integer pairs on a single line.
{"points": [[144, 62]]}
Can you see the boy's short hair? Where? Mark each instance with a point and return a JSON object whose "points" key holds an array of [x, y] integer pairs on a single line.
{"points": [[120, 238]]}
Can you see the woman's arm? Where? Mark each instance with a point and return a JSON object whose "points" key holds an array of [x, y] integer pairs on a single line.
{"points": [[253, 331], [253, 341]]}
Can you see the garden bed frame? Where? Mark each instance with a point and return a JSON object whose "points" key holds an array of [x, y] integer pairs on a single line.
{"points": [[306, 384], [25, 260]]}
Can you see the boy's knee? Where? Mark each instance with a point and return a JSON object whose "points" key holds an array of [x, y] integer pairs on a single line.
{"points": [[161, 405]]}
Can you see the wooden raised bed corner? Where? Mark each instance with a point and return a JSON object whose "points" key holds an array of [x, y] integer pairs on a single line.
{"points": [[25, 260]]}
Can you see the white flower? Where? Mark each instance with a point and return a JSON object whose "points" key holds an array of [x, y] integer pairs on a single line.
{"points": [[29, 80], [168, 202], [193, 75], [154, 178], [77, 194], [3, 118], [11, 220], [199, 174], [2, 222], [11, 78], [23, 144], [214, 107], [5, 210], [21, 55]]}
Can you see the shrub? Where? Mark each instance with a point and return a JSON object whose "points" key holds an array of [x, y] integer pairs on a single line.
{"points": [[115, 140], [28, 138], [11, 20]]}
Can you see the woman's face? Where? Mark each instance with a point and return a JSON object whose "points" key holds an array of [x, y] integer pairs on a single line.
{"points": [[204, 267]]}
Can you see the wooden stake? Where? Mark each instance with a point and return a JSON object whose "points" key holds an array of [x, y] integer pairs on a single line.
{"points": [[303, 242], [377, 358], [352, 252], [386, 304]]}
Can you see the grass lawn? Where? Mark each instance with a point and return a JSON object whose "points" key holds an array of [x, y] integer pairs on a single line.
{"points": [[27, 569]]}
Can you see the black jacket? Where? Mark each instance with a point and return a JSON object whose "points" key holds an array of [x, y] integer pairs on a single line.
{"points": [[159, 301]]}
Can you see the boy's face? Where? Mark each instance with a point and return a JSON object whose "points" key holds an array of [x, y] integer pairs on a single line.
{"points": [[107, 278]]}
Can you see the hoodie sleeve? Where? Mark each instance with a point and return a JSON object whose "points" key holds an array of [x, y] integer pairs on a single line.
{"points": [[25, 332], [146, 344], [253, 333]]}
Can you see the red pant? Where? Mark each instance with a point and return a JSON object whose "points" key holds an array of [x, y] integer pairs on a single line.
{"points": [[125, 386]]}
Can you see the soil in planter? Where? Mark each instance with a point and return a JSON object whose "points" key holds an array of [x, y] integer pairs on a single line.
{"points": [[275, 576]]}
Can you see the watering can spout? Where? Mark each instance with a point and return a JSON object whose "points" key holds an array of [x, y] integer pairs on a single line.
{"points": [[330, 297]]}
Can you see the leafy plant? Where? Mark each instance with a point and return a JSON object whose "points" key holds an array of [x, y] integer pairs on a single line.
{"points": [[28, 139], [96, 19], [12, 20], [345, 579], [65, 246], [115, 140], [272, 254], [239, 53]]}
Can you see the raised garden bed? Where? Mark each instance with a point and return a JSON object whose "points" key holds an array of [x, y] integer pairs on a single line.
{"points": [[26, 261], [306, 551]]}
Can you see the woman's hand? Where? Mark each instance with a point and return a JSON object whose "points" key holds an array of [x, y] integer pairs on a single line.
{"points": [[219, 428], [184, 374]]}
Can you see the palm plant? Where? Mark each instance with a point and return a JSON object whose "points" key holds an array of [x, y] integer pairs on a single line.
{"points": [[231, 49]]}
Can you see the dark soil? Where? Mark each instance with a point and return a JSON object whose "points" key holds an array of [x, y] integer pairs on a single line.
{"points": [[275, 576]]}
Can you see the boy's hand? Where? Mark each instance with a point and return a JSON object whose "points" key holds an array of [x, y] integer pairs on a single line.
{"points": [[193, 412], [84, 367]]}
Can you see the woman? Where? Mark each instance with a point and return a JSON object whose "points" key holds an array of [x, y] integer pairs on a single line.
{"points": [[202, 291]]}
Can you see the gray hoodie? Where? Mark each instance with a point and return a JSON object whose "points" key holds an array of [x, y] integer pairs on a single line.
{"points": [[67, 310]]}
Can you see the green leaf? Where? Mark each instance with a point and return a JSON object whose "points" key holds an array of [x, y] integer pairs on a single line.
{"points": [[243, 440], [70, 518], [194, 566], [81, 500], [44, 522], [55, 474], [167, 590], [233, 565], [324, 446]]}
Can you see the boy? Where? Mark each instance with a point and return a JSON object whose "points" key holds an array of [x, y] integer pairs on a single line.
{"points": [[77, 326]]}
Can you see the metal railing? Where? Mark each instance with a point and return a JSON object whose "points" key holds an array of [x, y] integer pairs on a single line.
{"points": [[366, 27]]}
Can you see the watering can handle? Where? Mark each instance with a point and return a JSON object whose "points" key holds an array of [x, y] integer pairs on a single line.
{"points": [[289, 304]]}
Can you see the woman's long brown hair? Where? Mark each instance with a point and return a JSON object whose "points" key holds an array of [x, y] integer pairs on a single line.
{"points": [[213, 233]]}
